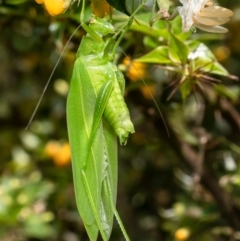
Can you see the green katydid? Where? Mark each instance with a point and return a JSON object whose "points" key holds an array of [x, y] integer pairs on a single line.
{"points": [[96, 113]]}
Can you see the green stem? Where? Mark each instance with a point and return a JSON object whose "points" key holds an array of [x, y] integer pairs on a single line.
{"points": [[125, 28]]}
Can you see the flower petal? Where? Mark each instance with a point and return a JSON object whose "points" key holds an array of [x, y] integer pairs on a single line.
{"points": [[216, 11]]}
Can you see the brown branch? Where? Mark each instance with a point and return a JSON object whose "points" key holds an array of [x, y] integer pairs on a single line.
{"points": [[187, 155], [230, 113], [229, 209]]}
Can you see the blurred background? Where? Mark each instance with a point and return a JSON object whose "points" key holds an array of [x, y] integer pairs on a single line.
{"points": [[182, 186]]}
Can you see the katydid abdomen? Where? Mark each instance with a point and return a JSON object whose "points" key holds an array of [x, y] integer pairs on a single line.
{"points": [[116, 112], [98, 64]]}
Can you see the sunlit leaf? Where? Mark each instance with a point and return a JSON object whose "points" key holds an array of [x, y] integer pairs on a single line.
{"points": [[178, 50], [157, 56]]}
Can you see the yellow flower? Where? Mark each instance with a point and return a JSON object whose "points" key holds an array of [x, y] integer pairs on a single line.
{"points": [[63, 156], [182, 234], [137, 71], [59, 152], [55, 7]]}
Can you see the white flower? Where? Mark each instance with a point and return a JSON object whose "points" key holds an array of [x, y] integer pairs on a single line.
{"points": [[203, 15]]}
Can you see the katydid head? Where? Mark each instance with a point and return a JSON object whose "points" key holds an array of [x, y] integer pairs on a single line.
{"points": [[101, 26]]}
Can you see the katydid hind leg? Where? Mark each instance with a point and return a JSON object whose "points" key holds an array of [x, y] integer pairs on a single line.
{"points": [[126, 27], [107, 188], [101, 102], [110, 172], [110, 181], [95, 211], [103, 217]]}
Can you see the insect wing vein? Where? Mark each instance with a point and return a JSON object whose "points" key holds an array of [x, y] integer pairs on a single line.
{"points": [[80, 109]]}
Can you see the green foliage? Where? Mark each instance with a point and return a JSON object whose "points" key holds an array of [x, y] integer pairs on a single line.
{"points": [[167, 185], [23, 205], [119, 5], [15, 2], [192, 60]]}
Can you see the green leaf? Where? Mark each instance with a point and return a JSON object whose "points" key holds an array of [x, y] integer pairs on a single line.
{"points": [[119, 5], [178, 50], [131, 5], [150, 42], [203, 59], [36, 227], [157, 56], [215, 68], [186, 88], [158, 30], [176, 29], [230, 92]]}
